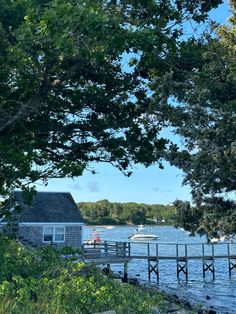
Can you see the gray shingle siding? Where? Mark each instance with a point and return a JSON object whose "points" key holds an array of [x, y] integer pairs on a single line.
{"points": [[73, 236], [34, 234], [47, 209]]}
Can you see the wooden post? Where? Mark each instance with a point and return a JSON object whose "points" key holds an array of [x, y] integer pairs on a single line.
{"points": [[106, 248], [182, 263], [153, 267], [157, 262], [149, 270], [129, 248], [125, 278], [182, 267], [186, 256], [209, 262], [231, 261], [203, 254], [232, 265], [213, 261]]}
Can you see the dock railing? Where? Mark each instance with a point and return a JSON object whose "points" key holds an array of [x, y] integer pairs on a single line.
{"points": [[182, 253], [106, 249], [160, 250]]}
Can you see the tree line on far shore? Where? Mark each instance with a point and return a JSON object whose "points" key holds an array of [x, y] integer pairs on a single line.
{"points": [[105, 212]]}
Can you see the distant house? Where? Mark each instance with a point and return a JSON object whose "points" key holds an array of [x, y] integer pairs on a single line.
{"points": [[51, 218]]}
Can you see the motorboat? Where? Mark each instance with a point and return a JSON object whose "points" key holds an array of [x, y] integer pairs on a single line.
{"points": [[94, 237], [222, 239], [141, 234], [109, 227], [214, 240]]}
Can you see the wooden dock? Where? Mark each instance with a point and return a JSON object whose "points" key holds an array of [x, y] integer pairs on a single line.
{"points": [[123, 252]]}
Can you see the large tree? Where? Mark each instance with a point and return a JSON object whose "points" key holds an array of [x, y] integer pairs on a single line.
{"points": [[74, 83], [199, 99]]}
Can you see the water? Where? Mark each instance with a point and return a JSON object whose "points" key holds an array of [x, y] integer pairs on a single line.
{"points": [[220, 294]]}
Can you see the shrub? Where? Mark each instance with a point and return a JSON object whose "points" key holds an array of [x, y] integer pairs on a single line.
{"points": [[39, 281]]}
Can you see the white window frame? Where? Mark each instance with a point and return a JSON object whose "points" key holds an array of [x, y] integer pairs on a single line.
{"points": [[54, 234]]}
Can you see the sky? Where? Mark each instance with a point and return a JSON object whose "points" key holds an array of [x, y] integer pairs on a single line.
{"points": [[147, 185]]}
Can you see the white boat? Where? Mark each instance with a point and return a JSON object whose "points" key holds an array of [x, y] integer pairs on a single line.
{"points": [[143, 236], [214, 240], [109, 227], [222, 239], [140, 234]]}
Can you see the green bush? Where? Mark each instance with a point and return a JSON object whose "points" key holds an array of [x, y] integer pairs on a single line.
{"points": [[39, 281]]}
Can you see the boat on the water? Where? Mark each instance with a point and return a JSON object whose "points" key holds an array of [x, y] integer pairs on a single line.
{"points": [[94, 237], [109, 227], [141, 234], [222, 239]]}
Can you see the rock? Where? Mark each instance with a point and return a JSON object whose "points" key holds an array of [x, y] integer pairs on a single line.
{"points": [[133, 281], [175, 296], [212, 312], [187, 304], [106, 270], [208, 297], [172, 308]]}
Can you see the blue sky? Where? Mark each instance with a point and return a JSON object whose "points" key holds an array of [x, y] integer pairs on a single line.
{"points": [[146, 185]]}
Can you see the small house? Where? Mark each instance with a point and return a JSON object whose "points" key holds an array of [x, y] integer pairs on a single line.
{"points": [[51, 218]]}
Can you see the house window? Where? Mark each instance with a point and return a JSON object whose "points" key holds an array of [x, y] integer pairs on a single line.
{"points": [[53, 234], [59, 234]]}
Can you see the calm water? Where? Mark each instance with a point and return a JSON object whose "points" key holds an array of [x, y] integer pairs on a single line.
{"points": [[222, 291]]}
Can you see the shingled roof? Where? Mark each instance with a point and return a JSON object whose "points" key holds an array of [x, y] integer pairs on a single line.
{"points": [[47, 207]]}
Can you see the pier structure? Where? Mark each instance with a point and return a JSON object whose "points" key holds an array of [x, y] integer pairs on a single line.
{"points": [[109, 252]]}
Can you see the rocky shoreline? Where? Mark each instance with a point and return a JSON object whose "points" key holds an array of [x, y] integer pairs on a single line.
{"points": [[173, 303], [176, 305]]}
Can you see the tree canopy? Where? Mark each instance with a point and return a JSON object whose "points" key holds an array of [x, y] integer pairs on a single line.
{"points": [[201, 82], [97, 80], [105, 212], [74, 83]]}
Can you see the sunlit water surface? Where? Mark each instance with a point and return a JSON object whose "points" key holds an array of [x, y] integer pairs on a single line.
{"points": [[220, 294]]}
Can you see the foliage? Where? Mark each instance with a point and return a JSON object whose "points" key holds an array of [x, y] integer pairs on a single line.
{"points": [[105, 212], [187, 216], [215, 218], [23, 262], [58, 286], [74, 83], [198, 101]]}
